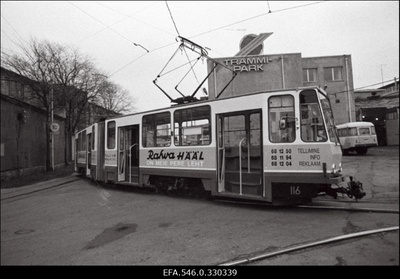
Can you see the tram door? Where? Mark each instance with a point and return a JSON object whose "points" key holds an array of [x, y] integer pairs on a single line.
{"points": [[128, 154], [240, 153], [89, 154]]}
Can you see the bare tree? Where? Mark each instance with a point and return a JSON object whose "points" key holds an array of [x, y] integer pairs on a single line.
{"points": [[113, 97], [61, 75]]}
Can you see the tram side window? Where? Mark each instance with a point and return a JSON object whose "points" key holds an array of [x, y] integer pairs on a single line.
{"points": [[111, 135], [281, 107], [93, 138], [83, 141], [192, 126], [156, 130], [79, 144], [312, 123]]}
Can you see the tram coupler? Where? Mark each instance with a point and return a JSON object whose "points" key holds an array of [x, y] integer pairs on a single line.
{"points": [[354, 189]]}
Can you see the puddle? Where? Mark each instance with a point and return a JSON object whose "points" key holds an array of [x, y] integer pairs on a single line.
{"points": [[111, 234], [164, 225]]}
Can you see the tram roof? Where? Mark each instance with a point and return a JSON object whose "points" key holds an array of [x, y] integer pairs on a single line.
{"points": [[222, 99]]}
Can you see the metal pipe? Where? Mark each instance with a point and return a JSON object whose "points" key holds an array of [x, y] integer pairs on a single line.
{"points": [[130, 162], [52, 133], [347, 87], [240, 165], [283, 73], [308, 245]]}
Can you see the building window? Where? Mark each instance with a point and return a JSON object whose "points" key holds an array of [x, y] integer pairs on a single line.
{"points": [[333, 73], [156, 130], [111, 135], [192, 126], [310, 75]]}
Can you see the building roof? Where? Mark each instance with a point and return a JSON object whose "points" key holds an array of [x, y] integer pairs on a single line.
{"points": [[379, 102], [390, 85]]}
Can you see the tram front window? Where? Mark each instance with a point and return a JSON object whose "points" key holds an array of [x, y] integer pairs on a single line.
{"points": [[329, 121], [312, 122]]}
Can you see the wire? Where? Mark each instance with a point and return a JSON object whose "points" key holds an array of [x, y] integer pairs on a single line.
{"points": [[260, 15], [354, 89], [10, 40], [184, 49], [135, 44], [131, 16], [127, 64], [176, 28], [296, 7], [19, 37]]}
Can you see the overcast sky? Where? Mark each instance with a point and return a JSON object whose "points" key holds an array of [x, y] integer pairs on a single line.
{"points": [[107, 31]]}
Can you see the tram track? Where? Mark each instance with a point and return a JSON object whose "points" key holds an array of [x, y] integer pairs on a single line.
{"points": [[20, 196], [262, 256], [371, 210], [317, 207]]}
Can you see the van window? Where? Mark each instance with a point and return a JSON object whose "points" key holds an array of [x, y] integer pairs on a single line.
{"points": [[363, 131], [352, 131], [342, 132]]}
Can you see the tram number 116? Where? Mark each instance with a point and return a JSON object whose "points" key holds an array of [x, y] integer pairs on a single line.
{"points": [[295, 190]]}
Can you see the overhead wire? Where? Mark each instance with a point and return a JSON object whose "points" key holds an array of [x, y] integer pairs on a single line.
{"points": [[134, 18], [366, 86], [221, 27], [16, 44], [253, 17], [176, 28], [135, 44], [19, 37], [184, 49]]}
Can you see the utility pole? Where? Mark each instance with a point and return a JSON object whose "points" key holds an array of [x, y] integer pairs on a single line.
{"points": [[52, 121], [349, 99], [382, 72]]}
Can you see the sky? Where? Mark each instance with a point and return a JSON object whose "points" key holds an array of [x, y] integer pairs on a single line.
{"points": [[132, 41]]}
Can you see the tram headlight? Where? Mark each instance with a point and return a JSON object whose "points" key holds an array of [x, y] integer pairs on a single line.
{"points": [[336, 169]]}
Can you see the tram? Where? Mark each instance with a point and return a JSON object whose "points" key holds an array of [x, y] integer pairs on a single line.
{"points": [[280, 147], [277, 146], [357, 136]]}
